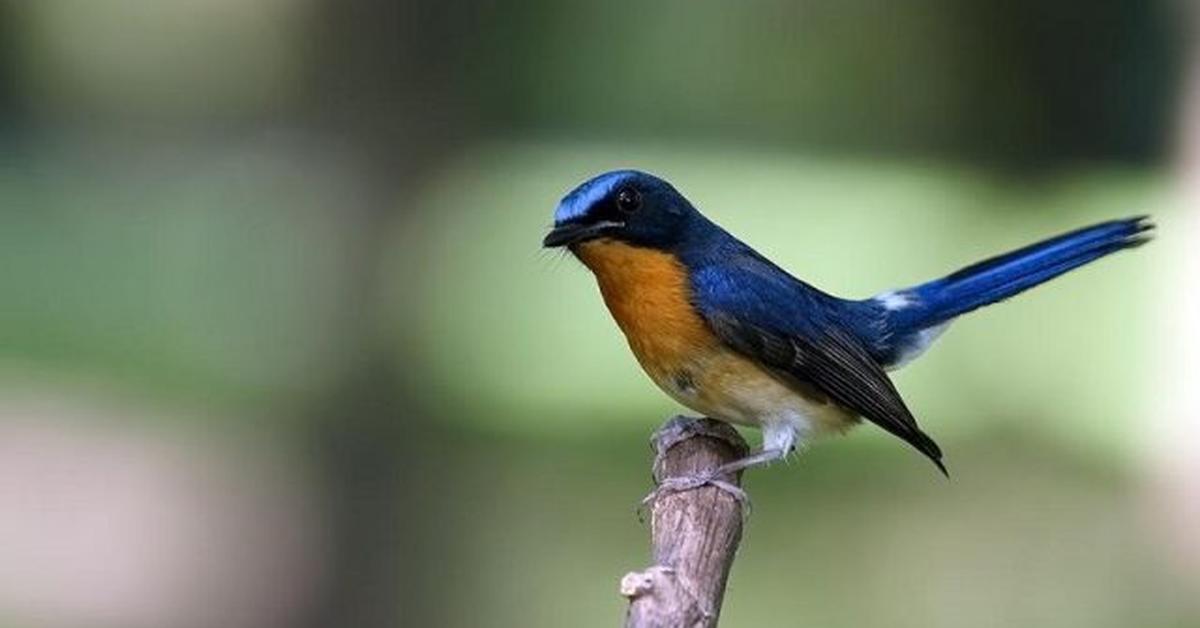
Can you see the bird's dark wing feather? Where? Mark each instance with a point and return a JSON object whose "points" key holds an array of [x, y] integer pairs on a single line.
{"points": [[795, 330]]}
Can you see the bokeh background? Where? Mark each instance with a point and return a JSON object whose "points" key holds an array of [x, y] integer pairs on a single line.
{"points": [[278, 346]]}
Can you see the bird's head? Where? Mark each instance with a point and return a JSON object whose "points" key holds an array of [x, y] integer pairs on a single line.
{"points": [[627, 206]]}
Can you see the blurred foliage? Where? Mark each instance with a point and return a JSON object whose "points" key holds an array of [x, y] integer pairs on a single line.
{"points": [[1017, 83], [191, 59], [210, 275]]}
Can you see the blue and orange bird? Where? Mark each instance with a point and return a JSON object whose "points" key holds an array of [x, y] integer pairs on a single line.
{"points": [[729, 334]]}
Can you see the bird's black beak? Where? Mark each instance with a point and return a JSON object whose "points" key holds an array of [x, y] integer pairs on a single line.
{"points": [[570, 233]]}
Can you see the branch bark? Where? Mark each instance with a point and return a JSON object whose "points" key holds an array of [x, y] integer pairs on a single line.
{"points": [[695, 533]]}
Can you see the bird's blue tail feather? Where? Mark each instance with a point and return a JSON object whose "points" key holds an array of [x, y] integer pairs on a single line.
{"points": [[1006, 275]]}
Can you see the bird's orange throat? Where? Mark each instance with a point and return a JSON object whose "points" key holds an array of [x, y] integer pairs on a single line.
{"points": [[648, 293]]}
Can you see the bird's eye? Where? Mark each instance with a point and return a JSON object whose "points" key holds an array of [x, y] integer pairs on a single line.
{"points": [[629, 200]]}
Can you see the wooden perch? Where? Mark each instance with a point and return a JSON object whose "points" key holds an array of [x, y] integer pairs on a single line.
{"points": [[695, 533]]}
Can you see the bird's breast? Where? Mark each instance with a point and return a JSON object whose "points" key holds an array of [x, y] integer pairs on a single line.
{"points": [[648, 293]]}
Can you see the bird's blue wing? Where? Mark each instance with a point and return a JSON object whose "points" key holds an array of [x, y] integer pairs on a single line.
{"points": [[804, 336]]}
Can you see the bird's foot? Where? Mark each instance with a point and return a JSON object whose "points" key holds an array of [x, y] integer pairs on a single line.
{"points": [[679, 484], [723, 477]]}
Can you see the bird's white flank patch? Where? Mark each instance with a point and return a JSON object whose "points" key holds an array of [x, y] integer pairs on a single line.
{"points": [[918, 344]]}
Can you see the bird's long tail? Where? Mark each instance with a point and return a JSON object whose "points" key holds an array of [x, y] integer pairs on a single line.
{"points": [[1006, 275]]}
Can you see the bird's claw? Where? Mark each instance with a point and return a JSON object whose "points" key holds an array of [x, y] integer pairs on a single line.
{"points": [[679, 429], [679, 484]]}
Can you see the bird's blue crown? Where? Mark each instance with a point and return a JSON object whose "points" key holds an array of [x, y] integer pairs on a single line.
{"points": [[576, 203]]}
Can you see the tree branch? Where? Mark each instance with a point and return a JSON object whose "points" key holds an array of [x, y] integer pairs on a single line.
{"points": [[695, 533]]}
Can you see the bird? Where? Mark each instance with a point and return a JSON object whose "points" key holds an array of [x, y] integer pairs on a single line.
{"points": [[726, 332]]}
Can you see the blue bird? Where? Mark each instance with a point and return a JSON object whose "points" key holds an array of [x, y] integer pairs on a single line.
{"points": [[727, 333]]}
